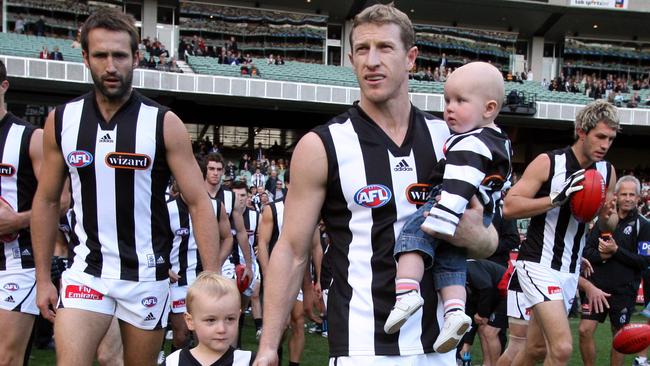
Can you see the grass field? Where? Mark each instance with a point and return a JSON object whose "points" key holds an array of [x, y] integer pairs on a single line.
{"points": [[316, 347]]}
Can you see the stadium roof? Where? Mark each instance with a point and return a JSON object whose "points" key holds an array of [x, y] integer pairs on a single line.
{"points": [[528, 18]]}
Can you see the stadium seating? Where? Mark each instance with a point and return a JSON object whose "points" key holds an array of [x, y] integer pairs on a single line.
{"points": [[29, 46], [13, 44]]}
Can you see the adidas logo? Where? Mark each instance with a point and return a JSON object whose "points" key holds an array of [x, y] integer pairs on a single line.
{"points": [[106, 138], [150, 317], [403, 166], [160, 260], [10, 299], [26, 252]]}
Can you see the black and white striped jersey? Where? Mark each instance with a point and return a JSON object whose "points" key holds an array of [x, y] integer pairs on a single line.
{"points": [[251, 219], [277, 210], [476, 162], [184, 258], [232, 357], [373, 186], [17, 187], [118, 175], [555, 238]]}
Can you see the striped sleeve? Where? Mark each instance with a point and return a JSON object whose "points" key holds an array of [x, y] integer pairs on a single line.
{"points": [[467, 159]]}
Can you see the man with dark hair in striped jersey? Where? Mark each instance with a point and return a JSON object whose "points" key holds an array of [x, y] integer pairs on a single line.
{"points": [[364, 172], [21, 153], [548, 264], [119, 150], [212, 169]]}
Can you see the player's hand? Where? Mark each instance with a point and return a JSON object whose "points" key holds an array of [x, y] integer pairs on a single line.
{"points": [[318, 290], [597, 299], [570, 186], [480, 242], [248, 272], [46, 299], [173, 276], [585, 267], [8, 219], [266, 358]]}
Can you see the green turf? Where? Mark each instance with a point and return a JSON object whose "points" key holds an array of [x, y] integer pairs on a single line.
{"points": [[316, 347]]}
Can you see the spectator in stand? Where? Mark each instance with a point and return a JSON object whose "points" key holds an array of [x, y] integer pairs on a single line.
{"points": [[244, 162], [270, 60], [609, 85], [163, 51], [56, 54], [529, 76], [279, 60], [544, 83], [255, 72], [181, 47], [436, 74], [232, 45], [269, 185], [280, 192], [162, 64], [573, 87], [258, 154], [173, 66], [443, 62], [201, 47], [248, 58], [636, 85], [554, 86], [189, 51], [258, 179], [19, 26], [151, 64], [40, 26], [634, 101], [142, 63], [44, 54], [244, 70], [76, 43]]}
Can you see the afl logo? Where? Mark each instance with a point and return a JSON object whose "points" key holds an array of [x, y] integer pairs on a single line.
{"points": [[7, 170], [149, 301], [11, 286], [373, 196], [183, 231], [79, 159]]}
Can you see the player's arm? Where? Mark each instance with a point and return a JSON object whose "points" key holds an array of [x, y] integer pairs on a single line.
{"points": [[242, 234], [264, 233], [10, 219], [596, 297], [291, 253], [45, 218], [225, 234], [520, 201], [185, 169], [607, 217]]}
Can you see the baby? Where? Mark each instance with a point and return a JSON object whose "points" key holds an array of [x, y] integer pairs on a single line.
{"points": [[476, 162]]}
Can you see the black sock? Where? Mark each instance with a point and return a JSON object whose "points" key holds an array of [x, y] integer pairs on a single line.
{"points": [[258, 323]]}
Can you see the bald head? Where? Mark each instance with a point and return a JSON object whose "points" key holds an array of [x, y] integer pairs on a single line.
{"points": [[480, 77]]}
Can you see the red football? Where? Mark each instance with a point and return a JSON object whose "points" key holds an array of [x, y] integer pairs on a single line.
{"points": [[242, 282], [8, 237], [632, 338], [586, 203]]}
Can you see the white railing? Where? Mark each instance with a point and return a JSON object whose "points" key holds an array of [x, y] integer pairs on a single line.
{"points": [[75, 72]]}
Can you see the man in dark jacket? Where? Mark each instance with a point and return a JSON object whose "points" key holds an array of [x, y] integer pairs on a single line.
{"points": [[618, 259]]}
